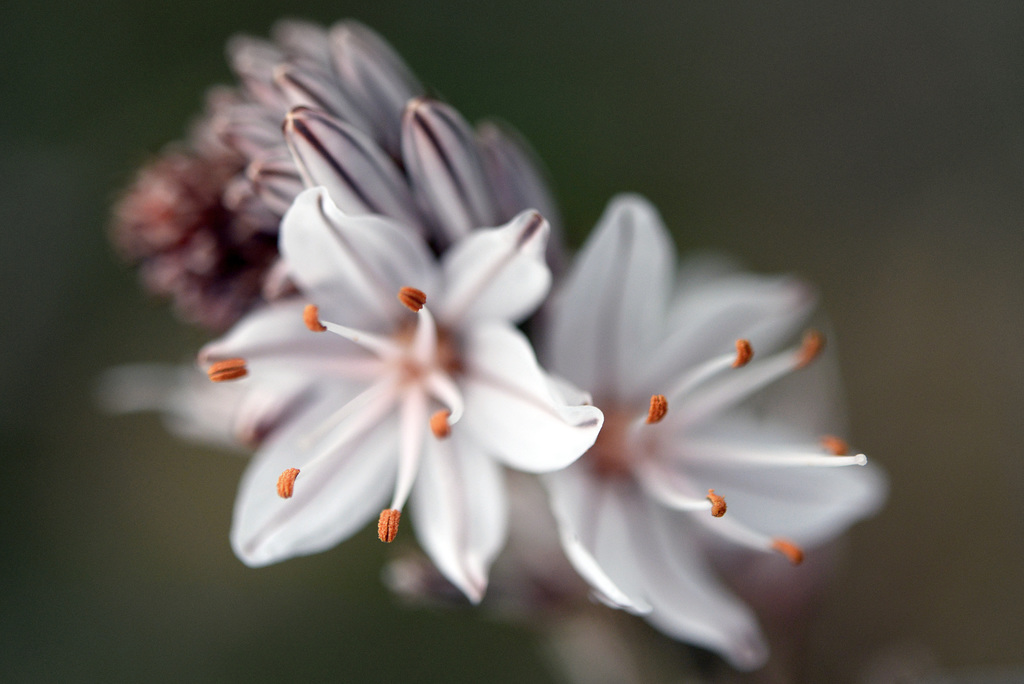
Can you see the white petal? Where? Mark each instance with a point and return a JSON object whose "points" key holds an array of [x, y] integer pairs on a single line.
{"points": [[352, 267], [510, 410], [608, 314], [593, 529], [445, 170], [497, 274], [460, 510], [331, 500], [358, 176], [688, 602]]}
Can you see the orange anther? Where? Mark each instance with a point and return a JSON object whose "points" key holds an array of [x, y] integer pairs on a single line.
{"points": [[387, 526], [717, 504], [286, 483], [658, 408], [439, 424], [835, 445], [311, 317], [228, 369], [790, 550], [412, 298], [744, 352], [812, 345]]}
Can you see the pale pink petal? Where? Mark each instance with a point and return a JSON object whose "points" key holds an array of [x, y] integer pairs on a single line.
{"points": [[608, 314], [358, 176], [352, 267], [496, 274], [460, 509], [690, 604], [510, 410], [445, 169], [345, 489]]}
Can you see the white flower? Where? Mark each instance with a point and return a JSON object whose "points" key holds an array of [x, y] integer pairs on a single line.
{"points": [[426, 405], [684, 414]]}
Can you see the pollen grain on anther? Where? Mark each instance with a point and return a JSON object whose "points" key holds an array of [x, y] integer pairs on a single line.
{"points": [[718, 506], [790, 550], [439, 424], [812, 345], [657, 409], [744, 352], [311, 317], [835, 445], [387, 525], [286, 483], [412, 298], [228, 369]]}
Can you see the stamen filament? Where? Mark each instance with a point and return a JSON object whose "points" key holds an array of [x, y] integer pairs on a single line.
{"points": [[699, 374], [669, 488], [724, 454], [441, 388], [424, 341], [382, 346]]}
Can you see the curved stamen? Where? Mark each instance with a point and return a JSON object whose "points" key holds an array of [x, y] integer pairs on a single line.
{"points": [[701, 373], [383, 391], [735, 387], [669, 488], [744, 536], [424, 341], [441, 388]]}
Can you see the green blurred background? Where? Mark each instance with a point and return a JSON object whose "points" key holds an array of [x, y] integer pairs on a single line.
{"points": [[877, 150]]}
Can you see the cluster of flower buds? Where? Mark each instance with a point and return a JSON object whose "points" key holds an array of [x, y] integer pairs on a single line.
{"points": [[669, 411]]}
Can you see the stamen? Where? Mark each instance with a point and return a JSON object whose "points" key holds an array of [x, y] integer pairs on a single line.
{"points": [[286, 483], [835, 445], [228, 369], [439, 424], [788, 549], [412, 298], [717, 504], [311, 316], [813, 344], [387, 526], [658, 409], [744, 352]]}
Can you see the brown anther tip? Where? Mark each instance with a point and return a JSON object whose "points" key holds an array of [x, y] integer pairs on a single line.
{"points": [[439, 424], [311, 317], [835, 445], [412, 298], [228, 369], [387, 526], [744, 352], [658, 409], [286, 483], [790, 550], [812, 345], [717, 504]]}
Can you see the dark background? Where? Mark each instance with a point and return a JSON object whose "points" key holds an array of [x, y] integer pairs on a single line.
{"points": [[878, 151]]}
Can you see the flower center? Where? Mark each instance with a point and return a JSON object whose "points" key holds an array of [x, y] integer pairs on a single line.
{"points": [[623, 441]]}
